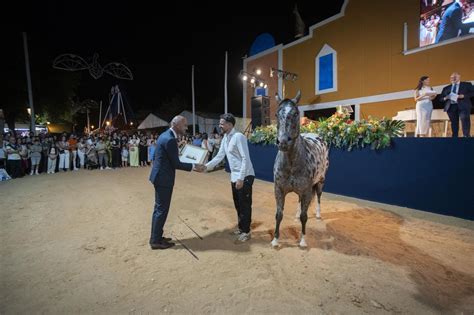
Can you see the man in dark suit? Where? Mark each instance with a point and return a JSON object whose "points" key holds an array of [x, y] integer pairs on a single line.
{"points": [[451, 22], [166, 161], [460, 107]]}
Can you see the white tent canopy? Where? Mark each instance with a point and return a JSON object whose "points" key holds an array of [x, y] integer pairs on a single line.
{"points": [[206, 122], [153, 121]]}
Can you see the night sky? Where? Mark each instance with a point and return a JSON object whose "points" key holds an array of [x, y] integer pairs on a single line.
{"points": [[158, 43]]}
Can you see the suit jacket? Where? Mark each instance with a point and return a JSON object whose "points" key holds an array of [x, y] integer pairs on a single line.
{"points": [[466, 89], [451, 23], [166, 161]]}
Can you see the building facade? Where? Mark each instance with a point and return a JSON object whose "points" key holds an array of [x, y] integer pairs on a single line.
{"points": [[368, 56]]}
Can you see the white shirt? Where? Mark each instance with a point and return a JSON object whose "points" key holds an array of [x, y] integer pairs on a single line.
{"points": [[174, 133], [234, 146], [134, 142]]}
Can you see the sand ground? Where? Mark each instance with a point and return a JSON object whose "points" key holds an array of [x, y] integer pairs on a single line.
{"points": [[78, 243]]}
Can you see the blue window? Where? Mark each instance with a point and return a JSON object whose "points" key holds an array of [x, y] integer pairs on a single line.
{"points": [[260, 91], [325, 72]]}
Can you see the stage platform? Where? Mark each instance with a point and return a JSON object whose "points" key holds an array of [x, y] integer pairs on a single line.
{"points": [[429, 174]]}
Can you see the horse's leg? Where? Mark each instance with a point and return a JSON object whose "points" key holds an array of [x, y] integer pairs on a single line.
{"points": [[319, 191], [280, 201], [305, 201], [298, 211]]}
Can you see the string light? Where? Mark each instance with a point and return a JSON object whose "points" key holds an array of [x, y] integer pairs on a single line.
{"points": [[254, 78]]}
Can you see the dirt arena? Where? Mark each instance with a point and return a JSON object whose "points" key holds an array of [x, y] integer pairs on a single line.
{"points": [[78, 243]]}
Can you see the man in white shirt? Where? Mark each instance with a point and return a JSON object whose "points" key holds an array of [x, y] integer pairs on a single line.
{"points": [[234, 147]]}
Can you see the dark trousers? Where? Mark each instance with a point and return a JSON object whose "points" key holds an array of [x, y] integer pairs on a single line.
{"points": [[116, 157], [44, 162], [14, 168], [160, 212], [243, 203], [454, 114]]}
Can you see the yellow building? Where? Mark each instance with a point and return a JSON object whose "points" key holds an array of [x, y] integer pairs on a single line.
{"points": [[372, 54]]}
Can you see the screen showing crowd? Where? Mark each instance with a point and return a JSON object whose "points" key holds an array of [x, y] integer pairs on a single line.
{"points": [[445, 19]]}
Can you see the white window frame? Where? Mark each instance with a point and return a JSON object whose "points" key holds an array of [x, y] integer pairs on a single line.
{"points": [[326, 50]]}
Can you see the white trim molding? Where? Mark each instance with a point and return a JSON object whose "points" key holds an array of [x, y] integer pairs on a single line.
{"points": [[405, 37], [445, 42], [326, 50], [280, 66], [357, 112], [366, 100]]}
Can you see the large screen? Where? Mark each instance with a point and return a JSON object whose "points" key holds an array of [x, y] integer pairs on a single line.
{"points": [[445, 19]]}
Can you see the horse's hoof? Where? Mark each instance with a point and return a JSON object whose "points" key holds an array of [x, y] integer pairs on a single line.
{"points": [[319, 218], [303, 243], [275, 243]]}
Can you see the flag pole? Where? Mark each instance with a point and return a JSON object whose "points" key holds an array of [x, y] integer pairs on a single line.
{"points": [[194, 107], [225, 84], [28, 79]]}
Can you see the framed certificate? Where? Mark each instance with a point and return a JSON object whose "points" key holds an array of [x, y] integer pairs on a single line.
{"points": [[193, 154]]}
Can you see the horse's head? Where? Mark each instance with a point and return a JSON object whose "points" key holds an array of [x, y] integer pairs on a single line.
{"points": [[288, 122]]}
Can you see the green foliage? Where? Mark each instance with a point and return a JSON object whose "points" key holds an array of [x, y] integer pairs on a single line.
{"points": [[264, 135], [342, 132]]}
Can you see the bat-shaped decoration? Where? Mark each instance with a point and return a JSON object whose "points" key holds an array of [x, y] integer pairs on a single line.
{"points": [[70, 62]]}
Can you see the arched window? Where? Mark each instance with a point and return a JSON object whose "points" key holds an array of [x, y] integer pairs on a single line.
{"points": [[326, 70]]}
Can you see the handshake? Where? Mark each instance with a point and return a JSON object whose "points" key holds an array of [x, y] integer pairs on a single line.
{"points": [[199, 168]]}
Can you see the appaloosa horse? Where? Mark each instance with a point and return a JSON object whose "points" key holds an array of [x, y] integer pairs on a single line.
{"points": [[300, 165]]}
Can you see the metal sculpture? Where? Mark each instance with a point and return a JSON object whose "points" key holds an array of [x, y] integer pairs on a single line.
{"points": [[71, 62]]}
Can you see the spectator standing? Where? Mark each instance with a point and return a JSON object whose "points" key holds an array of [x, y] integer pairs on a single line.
{"points": [[52, 158], [73, 151], [63, 154], [101, 151], [35, 156], [124, 155], [13, 159]]}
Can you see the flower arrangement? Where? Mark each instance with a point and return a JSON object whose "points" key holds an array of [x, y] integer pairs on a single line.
{"points": [[342, 132], [264, 135]]}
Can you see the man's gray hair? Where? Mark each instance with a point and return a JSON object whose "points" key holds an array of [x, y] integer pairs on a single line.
{"points": [[176, 120]]}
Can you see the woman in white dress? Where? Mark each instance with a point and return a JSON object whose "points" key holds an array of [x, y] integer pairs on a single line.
{"points": [[133, 150], [81, 152], [424, 93], [64, 154], [423, 32]]}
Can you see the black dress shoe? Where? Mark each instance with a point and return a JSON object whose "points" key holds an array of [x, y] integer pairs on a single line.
{"points": [[161, 245]]}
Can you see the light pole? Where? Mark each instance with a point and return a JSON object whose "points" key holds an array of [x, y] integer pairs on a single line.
{"points": [[225, 84], [88, 121], [28, 79], [194, 107]]}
